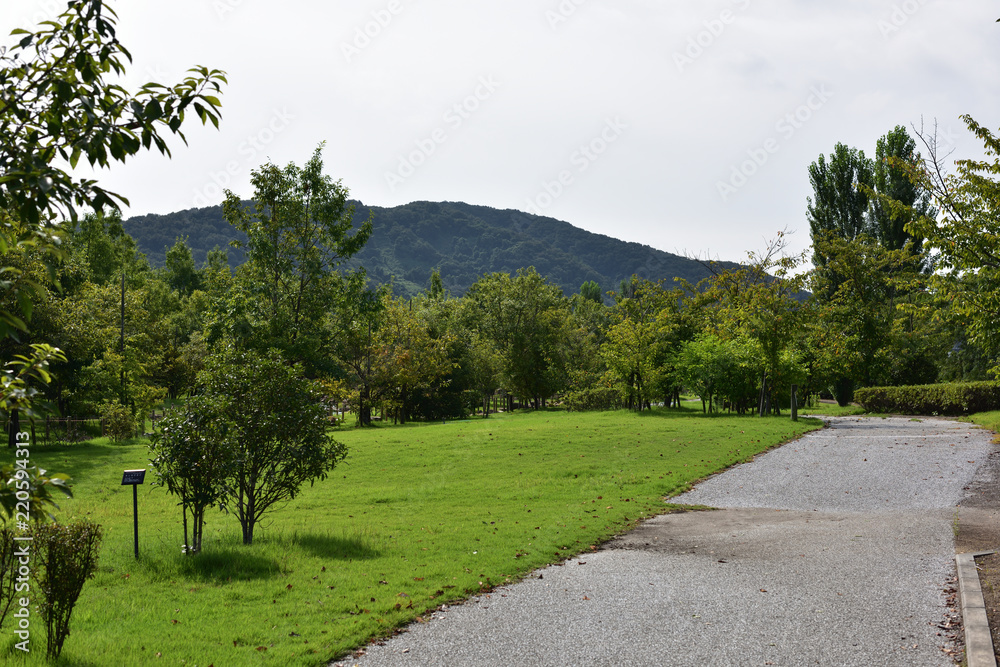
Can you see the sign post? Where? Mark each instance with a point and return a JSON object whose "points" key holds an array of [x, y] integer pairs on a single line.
{"points": [[134, 478]]}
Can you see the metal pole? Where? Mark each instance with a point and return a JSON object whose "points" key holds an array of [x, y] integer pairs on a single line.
{"points": [[135, 517]]}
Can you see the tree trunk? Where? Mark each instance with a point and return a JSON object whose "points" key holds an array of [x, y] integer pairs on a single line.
{"points": [[13, 427], [184, 514]]}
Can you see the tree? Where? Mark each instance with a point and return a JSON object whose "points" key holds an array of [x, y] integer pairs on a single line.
{"points": [[760, 303], [58, 106], [591, 291], [66, 556], [298, 234], [839, 206], [194, 459], [406, 359], [640, 340], [276, 424], [869, 328], [180, 269], [965, 233], [526, 318], [891, 182]]}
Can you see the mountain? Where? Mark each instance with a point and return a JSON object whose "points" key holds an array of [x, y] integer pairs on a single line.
{"points": [[461, 240]]}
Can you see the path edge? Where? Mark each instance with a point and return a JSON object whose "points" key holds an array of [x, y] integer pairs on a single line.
{"points": [[978, 640]]}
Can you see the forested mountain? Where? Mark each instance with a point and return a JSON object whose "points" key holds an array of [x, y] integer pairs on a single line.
{"points": [[462, 241]]}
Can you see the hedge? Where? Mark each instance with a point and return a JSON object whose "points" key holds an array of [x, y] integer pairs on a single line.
{"points": [[931, 399]]}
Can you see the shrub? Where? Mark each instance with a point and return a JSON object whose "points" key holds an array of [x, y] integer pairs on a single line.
{"points": [[119, 423], [65, 557], [593, 398], [931, 399]]}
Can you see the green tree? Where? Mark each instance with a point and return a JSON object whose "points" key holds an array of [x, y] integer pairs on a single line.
{"points": [[527, 319], [406, 359], [965, 234], [760, 304], [65, 557], [276, 424], [891, 182], [870, 327], [193, 458], [591, 291], [639, 340], [58, 106], [181, 273], [838, 206], [299, 232]]}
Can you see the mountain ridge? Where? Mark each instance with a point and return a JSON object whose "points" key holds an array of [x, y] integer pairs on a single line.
{"points": [[462, 241]]}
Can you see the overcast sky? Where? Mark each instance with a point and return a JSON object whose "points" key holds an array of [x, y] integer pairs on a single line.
{"points": [[688, 126]]}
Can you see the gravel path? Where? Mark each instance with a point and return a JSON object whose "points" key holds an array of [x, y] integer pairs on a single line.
{"points": [[835, 549]]}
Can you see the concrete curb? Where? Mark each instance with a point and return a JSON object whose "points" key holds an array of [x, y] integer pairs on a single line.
{"points": [[978, 640]]}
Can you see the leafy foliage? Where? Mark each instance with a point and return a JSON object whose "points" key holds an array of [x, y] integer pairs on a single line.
{"points": [[194, 459], [58, 106], [65, 556], [39, 486], [275, 423], [935, 399]]}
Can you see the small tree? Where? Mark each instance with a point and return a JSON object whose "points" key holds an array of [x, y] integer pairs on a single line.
{"points": [[193, 458], [65, 557], [275, 421]]}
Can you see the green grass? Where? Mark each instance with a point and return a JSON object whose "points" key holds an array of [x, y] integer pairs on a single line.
{"points": [[989, 420], [417, 516], [832, 410]]}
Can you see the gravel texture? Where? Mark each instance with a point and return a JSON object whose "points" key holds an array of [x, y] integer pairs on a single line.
{"points": [[834, 549]]}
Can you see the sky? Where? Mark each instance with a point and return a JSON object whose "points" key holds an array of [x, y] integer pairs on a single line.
{"points": [[688, 126]]}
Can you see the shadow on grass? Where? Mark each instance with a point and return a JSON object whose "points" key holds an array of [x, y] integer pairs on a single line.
{"points": [[341, 548], [684, 411], [224, 564], [79, 459]]}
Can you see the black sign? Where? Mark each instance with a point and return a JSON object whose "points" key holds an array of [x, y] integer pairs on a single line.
{"points": [[133, 476]]}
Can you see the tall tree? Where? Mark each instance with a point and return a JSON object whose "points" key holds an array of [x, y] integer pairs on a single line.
{"points": [[838, 206], [299, 232], [894, 152]]}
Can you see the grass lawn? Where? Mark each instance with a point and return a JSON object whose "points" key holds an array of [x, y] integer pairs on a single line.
{"points": [[417, 516], [989, 420], [832, 410]]}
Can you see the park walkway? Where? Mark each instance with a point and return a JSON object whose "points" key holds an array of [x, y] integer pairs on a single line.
{"points": [[835, 549]]}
